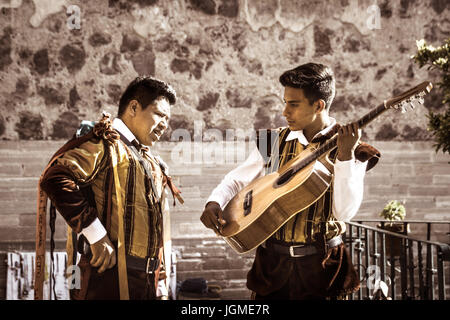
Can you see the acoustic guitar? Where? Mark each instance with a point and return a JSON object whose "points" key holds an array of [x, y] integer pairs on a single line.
{"points": [[262, 207]]}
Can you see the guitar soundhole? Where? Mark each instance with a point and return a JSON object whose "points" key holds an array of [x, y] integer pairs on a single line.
{"points": [[284, 178]]}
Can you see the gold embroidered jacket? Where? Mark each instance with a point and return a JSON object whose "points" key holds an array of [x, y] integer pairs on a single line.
{"points": [[78, 185]]}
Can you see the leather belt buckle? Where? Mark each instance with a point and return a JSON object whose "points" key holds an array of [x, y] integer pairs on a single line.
{"points": [[292, 253], [152, 265]]}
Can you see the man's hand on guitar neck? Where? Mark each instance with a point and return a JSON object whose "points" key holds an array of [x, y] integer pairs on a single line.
{"points": [[212, 217], [348, 138]]}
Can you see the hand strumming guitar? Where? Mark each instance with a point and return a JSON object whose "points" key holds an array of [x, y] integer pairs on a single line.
{"points": [[212, 217]]}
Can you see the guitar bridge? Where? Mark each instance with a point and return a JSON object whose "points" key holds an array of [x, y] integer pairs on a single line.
{"points": [[248, 202]]}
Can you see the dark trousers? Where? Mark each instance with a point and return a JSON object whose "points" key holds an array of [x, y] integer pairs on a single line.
{"points": [[306, 281], [314, 277], [105, 285]]}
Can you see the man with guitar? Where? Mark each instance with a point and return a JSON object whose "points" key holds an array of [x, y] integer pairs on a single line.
{"points": [[305, 258]]}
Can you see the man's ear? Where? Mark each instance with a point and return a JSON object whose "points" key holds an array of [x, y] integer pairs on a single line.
{"points": [[320, 105], [132, 108]]}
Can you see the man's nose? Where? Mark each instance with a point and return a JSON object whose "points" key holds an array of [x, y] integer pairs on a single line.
{"points": [[164, 124], [285, 111]]}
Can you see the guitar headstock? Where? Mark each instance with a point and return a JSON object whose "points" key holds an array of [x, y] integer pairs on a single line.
{"points": [[408, 98]]}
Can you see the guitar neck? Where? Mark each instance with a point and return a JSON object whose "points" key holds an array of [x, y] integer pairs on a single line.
{"points": [[416, 93], [372, 114], [332, 143]]}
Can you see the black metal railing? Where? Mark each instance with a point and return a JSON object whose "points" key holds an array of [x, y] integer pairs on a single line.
{"points": [[412, 269], [424, 228]]}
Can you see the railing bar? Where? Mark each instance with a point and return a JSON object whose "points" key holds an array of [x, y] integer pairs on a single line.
{"points": [[397, 235], [429, 273], [352, 247], [432, 271], [372, 243], [358, 254], [407, 221], [441, 277], [383, 257], [404, 271], [375, 252], [411, 268], [420, 265], [392, 258], [366, 256]]}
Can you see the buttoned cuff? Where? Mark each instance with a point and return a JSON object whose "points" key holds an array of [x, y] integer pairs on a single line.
{"points": [[94, 232]]}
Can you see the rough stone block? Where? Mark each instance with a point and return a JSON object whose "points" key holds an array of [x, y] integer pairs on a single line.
{"points": [[236, 294], [392, 190], [10, 169], [17, 233], [191, 264], [222, 264], [391, 169], [427, 169], [429, 191], [441, 179]]}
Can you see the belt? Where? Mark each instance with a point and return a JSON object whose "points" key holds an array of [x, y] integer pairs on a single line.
{"points": [[301, 250], [147, 265]]}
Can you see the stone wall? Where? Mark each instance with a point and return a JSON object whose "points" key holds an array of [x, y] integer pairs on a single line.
{"points": [[223, 57]]}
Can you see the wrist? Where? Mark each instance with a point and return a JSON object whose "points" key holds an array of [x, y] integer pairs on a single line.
{"points": [[212, 203], [345, 155]]}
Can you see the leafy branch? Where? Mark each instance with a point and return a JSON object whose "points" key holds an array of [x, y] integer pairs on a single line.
{"points": [[437, 59], [393, 211]]}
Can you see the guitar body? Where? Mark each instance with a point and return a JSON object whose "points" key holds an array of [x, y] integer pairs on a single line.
{"points": [[263, 206]]}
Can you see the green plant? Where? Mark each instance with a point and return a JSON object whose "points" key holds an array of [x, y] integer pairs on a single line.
{"points": [[438, 58], [394, 211]]}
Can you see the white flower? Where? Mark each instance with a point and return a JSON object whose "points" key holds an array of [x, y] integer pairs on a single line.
{"points": [[420, 44], [441, 61]]}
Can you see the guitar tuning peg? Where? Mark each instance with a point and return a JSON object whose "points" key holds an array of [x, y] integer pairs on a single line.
{"points": [[403, 109], [412, 105], [421, 100]]}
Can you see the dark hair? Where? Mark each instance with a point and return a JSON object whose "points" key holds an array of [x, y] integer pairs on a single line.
{"points": [[316, 80], [146, 90]]}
